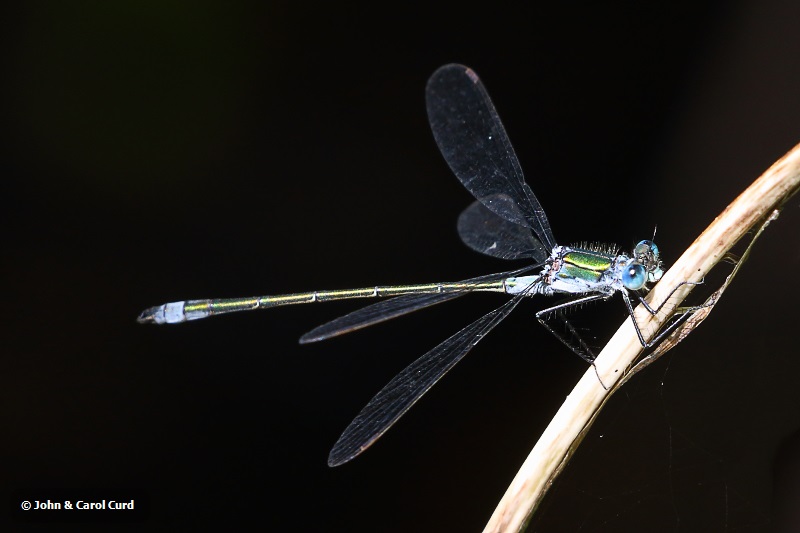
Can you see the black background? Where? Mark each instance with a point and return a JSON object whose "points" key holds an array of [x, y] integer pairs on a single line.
{"points": [[158, 152]]}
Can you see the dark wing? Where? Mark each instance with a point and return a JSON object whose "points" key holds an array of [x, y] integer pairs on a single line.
{"points": [[487, 233], [376, 313], [408, 386], [398, 306], [474, 143]]}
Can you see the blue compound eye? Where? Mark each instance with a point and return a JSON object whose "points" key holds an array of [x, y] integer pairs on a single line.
{"points": [[634, 276]]}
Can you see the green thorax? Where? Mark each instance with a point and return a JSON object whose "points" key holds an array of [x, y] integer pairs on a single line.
{"points": [[586, 264]]}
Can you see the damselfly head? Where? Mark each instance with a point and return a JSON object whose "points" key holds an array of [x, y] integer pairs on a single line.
{"points": [[646, 253]]}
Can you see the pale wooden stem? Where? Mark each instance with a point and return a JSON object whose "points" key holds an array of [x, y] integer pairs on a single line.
{"points": [[565, 431]]}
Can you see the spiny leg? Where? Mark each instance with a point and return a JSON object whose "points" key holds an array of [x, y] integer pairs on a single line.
{"points": [[582, 350], [678, 319], [654, 312], [663, 303]]}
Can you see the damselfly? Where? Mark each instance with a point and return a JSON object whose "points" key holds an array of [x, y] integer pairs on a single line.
{"points": [[506, 221]]}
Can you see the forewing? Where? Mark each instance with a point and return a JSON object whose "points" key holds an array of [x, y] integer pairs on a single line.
{"points": [[474, 143]]}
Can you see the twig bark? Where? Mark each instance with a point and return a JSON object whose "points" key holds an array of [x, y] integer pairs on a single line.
{"points": [[562, 436]]}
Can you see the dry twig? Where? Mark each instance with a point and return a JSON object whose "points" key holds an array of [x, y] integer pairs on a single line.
{"points": [[556, 445]]}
